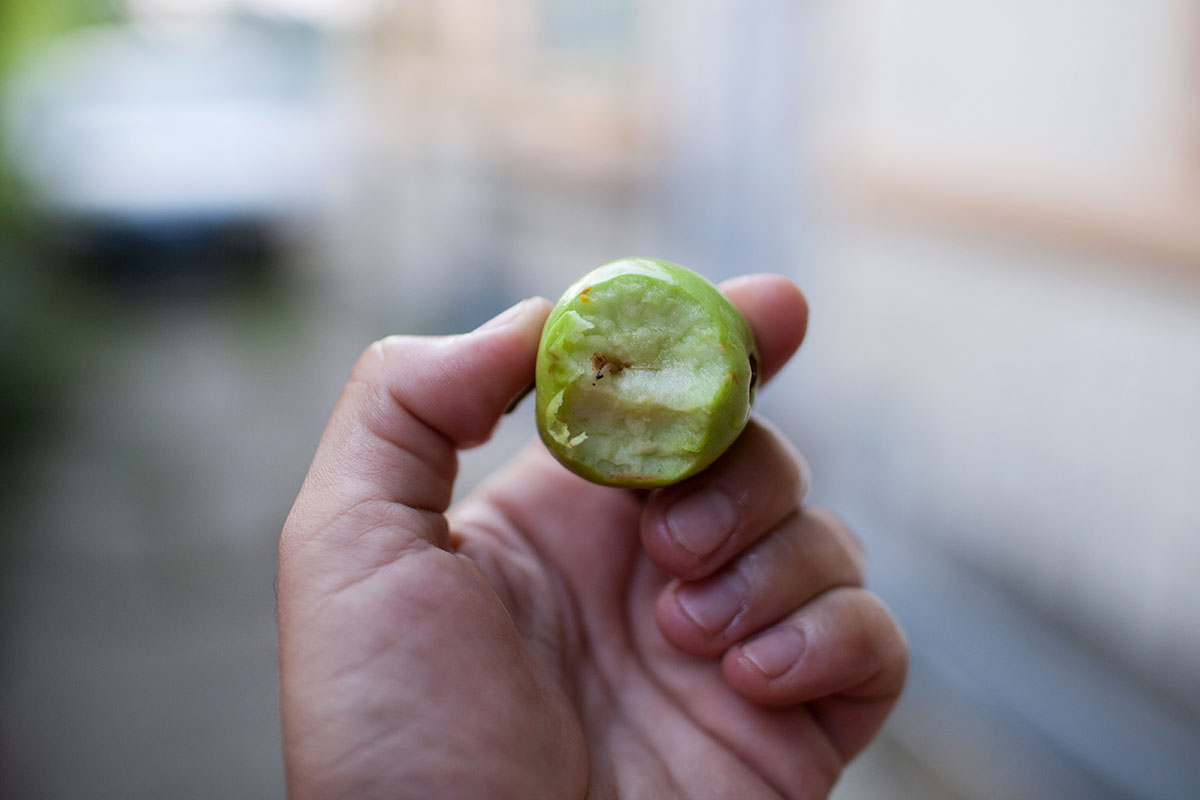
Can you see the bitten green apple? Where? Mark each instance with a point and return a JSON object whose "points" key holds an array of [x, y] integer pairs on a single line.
{"points": [[645, 374]]}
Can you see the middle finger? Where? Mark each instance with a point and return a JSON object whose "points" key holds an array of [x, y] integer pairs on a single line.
{"points": [[692, 529]]}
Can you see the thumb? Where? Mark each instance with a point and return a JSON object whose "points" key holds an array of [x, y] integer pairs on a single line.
{"points": [[384, 470]]}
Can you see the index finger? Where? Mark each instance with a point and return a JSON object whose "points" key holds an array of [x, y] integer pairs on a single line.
{"points": [[777, 312]]}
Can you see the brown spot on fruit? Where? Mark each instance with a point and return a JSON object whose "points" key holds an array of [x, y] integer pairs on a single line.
{"points": [[605, 365]]}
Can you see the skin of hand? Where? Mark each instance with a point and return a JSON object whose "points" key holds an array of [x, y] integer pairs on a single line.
{"points": [[551, 638]]}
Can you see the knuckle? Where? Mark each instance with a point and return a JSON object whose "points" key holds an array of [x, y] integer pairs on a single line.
{"points": [[765, 449], [371, 359], [846, 535], [879, 637]]}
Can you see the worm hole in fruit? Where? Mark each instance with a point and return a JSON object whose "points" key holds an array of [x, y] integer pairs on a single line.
{"points": [[604, 366]]}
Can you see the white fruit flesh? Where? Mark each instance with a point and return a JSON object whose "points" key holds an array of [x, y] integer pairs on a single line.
{"points": [[643, 369]]}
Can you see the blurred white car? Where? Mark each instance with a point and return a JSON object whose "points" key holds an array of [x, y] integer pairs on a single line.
{"points": [[163, 134]]}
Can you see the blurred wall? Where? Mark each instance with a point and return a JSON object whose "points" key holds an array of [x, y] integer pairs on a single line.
{"points": [[1035, 338], [1010, 283]]}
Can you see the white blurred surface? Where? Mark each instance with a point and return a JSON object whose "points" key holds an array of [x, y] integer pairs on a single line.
{"points": [[146, 123]]}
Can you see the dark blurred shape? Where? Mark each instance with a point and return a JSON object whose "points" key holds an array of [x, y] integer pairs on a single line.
{"points": [[184, 256]]}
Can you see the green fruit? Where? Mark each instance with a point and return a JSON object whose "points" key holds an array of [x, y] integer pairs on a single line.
{"points": [[645, 374]]}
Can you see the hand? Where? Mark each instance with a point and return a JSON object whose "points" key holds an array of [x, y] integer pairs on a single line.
{"points": [[550, 638]]}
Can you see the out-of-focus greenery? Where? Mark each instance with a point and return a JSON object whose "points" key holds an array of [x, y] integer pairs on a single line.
{"points": [[26, 25], [40, 309]]}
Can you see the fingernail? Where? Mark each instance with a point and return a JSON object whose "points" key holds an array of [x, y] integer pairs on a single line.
{"points": [[775, 653], [714, 604], [701, 521], [504, 317]]}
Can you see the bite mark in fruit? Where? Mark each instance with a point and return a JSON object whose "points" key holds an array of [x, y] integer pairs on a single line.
{"points": [[645, 374]]}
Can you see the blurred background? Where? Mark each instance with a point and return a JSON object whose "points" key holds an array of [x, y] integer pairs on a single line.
{"points": [[208, 207]]}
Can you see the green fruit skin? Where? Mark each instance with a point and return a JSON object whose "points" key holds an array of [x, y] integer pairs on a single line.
{"points": [[733, 350]]}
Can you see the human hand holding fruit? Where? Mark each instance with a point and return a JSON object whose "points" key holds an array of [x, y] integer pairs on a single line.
{"points": [[550, 637]]}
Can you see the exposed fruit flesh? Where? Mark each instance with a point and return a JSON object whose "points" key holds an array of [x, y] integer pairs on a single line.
{"points": [[644, 371]]}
